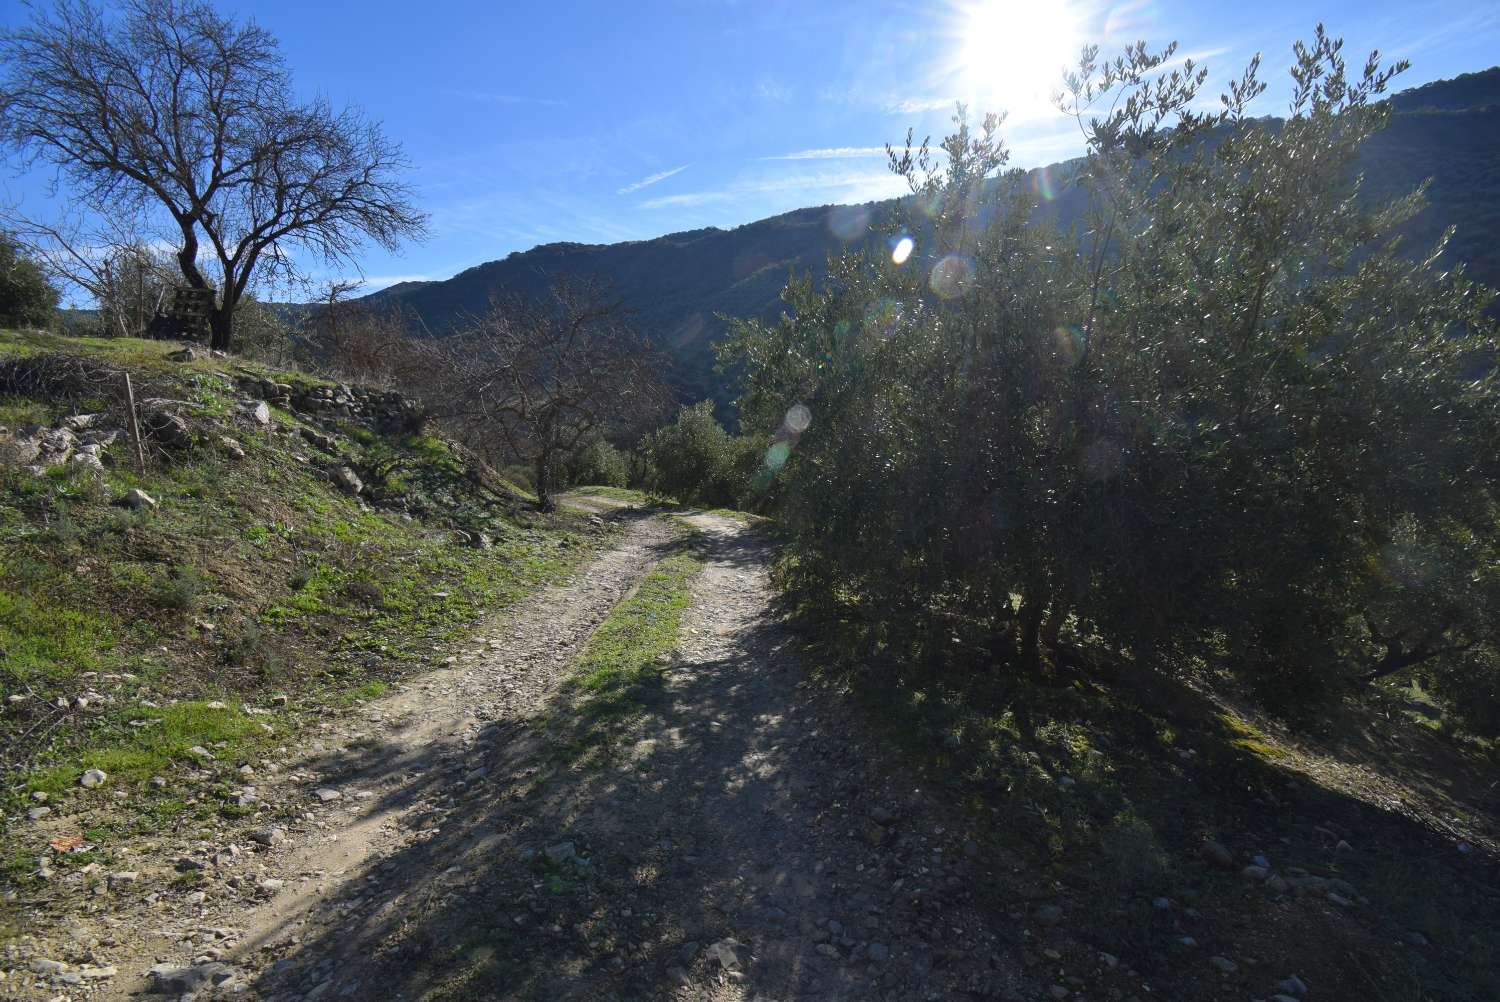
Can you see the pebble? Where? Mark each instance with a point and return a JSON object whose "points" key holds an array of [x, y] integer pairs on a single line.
{"points": [[137, 498], [93, 777], [878, 952], [98, 973], [328, 796], [37, 813], [268, 836], [1058, 992], [181, 980], [1223, 964], [1292, 985], [1049, 915], [1215, 854], [725, 954]]}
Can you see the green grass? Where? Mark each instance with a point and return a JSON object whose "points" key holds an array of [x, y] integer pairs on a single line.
{"points": [[616, 493], [131, 752], [618, 676], [251, 577], [40, 639]]}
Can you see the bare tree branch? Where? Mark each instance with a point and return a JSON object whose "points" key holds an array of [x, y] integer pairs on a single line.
{"points": [[176, 110]]}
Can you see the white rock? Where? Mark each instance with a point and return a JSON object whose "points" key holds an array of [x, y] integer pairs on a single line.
{"points": [[93, 777], [137, 498]]}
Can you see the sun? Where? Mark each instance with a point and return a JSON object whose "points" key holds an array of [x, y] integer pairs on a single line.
{"points": [[1010, 54]]}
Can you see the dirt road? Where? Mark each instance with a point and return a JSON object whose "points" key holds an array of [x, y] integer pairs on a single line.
{"points": [[749, 843]]}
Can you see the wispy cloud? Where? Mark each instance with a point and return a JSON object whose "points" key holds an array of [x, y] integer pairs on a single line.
{"points": [[915, 105], [651, 179], [854, 186], [689, 199], [381, 281], [488, 97], [833, 153]]}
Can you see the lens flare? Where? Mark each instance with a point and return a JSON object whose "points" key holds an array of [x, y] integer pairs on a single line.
{"points": [[1069, 342], [777, 454], [848, 222], [901, 249], [1043, 184], [798, 419], [952, 276], [883, 317]]}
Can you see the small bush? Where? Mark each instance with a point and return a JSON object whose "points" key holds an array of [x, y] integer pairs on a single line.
{"points": [[364, 593], [697, 462], [598, 464], [247, 646], [180, 591], [60, 527]]}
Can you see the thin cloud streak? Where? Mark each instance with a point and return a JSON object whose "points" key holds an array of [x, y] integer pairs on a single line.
{"points": [[861, 186], [832, 153], [649, 180]]}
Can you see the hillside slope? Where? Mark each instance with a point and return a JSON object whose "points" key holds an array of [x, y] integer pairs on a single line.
{"points": [[680, 284], [289, 547]]}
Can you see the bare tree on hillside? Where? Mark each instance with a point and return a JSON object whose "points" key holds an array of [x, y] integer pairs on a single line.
{"points": [[174, 112], [536, 377]]}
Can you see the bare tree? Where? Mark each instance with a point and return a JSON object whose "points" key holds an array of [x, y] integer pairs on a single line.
{"points": [[537, 377], [105, 257], [175, 111]]}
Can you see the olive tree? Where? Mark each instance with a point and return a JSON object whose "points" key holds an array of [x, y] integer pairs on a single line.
{"points": [[27, 299], [1224, 414], [173, 112]]}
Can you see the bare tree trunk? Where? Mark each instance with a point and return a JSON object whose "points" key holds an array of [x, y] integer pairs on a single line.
{"points": [[221, 328], [1033, 606], [543, 480]]}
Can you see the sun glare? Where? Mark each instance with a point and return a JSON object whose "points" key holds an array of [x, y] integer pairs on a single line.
{"points": [[1011, 54]]}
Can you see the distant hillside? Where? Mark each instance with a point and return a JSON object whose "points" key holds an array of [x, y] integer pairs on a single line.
{"points": [[1447, 131]]}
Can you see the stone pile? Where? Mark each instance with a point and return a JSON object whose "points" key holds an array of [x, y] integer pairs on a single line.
{"points": [[77, 441], [374, 407]]}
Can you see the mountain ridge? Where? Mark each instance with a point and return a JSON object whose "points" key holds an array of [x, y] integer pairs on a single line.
{"points": [[679, 285]]}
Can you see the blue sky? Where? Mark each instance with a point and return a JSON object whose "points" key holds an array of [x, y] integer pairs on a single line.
{"points": [[598, 122]]}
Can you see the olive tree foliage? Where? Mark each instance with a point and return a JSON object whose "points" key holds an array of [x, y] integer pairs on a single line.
{"points": [[1225, 415], [27, 298], [172, 115], [598, 463], [696, 461]]}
